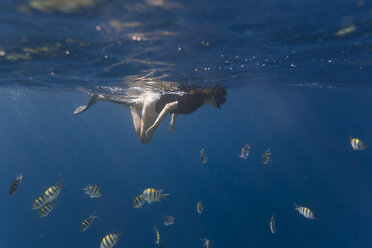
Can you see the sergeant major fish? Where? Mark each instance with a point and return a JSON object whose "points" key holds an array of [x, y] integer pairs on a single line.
{"points": [[138, 201], [203, 158], [306, 212], [47, 209], [272, 224], [357, 144], [93, 191], [199, 207], [158, 239], [87, 222], [15, 184], [39, 203], [110, 240], [153, 195], [206, 243], [245, 151], [52, 192], [168, 220], [265, 159]]}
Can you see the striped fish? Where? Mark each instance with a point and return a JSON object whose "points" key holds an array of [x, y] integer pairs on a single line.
{"points": [[157, 240], [168, 220], [272, 224], [265, 159], [357, 144], [306, 212], [203, 158], [110, 240], [39, 203], [93, 191], [52, 192], [15, 184], [206, 243], [47, 209], [153, 195], [138, 201], [245, 151], [86, 223], [199, 207]]}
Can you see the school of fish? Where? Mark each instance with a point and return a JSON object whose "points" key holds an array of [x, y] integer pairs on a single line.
{"points": [[46, 203]]}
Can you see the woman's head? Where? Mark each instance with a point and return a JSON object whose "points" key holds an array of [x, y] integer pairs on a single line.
{"points": [[219, 95], [215, 96]]}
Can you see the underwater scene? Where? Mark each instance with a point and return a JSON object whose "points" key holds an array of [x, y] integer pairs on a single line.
{"points": [[174, 123]]}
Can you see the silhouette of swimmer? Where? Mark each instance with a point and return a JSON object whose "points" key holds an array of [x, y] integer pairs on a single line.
{"points": [[156, 106]]}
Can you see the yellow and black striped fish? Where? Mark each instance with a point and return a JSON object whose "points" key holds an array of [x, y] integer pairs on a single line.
{"points": [[86, 223], [39, 203], [138, 201], [203, 157], [153, 195], [245, 151], [15, 184], [93, 191], [199, 207], [168, 220], [272, 224], [157, 240], [306, 212], [52, 192], [357, 144], [265, 159], [47, 209], [110, 240], [206, 243]]}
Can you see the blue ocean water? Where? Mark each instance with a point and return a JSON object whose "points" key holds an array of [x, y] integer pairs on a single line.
{"points": [[297, 75]]}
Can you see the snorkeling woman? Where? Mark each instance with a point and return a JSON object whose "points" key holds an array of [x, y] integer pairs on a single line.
{"points": [[155, 107]]}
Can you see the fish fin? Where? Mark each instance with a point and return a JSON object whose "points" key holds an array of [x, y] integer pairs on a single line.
{"points": [[61, 183], [119, 233], [162, 196]]}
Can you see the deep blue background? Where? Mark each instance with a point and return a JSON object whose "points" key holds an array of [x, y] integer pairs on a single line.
{"points": [[312, 164], [294, 85]]}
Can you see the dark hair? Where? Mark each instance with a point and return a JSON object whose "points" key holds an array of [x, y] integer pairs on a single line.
{"points": [[219, 94]]}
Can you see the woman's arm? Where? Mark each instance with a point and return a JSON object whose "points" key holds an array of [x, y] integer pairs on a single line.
{"points": [[172, 123], [165, 111]]}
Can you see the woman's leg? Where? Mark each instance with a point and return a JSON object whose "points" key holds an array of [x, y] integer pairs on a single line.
{"points": [[169, 107], [95, 98], [148, 117], [137, 122]]}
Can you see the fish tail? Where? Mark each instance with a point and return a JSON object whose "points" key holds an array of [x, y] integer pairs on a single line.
{"points": [[119, 233], [162, 196], [61, 183]]}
